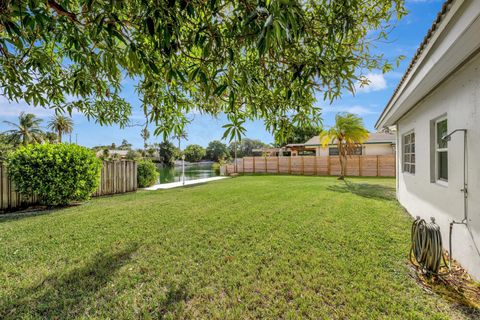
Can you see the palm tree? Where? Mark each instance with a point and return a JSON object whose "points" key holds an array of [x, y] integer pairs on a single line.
{"points": [[61, 124], [27, 130], [348, 133], [181, 135], [145, 134], [51, 137], [234, 130]]}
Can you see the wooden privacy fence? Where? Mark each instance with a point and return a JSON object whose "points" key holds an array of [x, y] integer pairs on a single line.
{"points": [[364, 166], [116, 177]]}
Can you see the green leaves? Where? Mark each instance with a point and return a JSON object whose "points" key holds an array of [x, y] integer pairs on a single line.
{"points": [[57, 173], [147, 174], [235, 129], [220, 89], [194, 153], [264, 59], [150, 26]]}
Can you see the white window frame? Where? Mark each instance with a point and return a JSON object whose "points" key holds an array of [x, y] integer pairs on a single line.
{"points": [[438, 150], [409, 163]]}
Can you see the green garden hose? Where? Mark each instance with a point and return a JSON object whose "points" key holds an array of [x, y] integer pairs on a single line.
{"points": [[427, 250]]}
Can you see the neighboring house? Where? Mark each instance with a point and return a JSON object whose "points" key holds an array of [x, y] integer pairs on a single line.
{"points": [[377, 144], [120, 154], [439, 95], [271, 152]]}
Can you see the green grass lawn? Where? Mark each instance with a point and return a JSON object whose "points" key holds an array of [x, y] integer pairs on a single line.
{"points": [[250, 247]]}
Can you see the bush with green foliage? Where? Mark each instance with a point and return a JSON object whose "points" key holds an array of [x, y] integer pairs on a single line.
{"points": [[216, 168], [132, 155], [194, 153], [147, 174], [57, 173], [167, 153], [296, 134], [245, 147], [216, 151]]}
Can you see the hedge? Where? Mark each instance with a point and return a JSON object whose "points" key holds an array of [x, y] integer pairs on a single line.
{"points": [[147, 174], [57, 173]]}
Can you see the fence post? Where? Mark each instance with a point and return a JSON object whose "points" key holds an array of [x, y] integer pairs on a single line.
{"points": [[253, 164], [377, 165], [315, 170], [290, 164], [1, 186], [328, 166], [265, 159], [135, 165], [114, 167], [303, 166], [278, 164], [360, 166], [243, 165]]}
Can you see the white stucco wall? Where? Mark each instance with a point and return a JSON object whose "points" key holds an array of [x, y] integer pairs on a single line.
{"points": [[368, 150], [378, 149], [459, 99]]}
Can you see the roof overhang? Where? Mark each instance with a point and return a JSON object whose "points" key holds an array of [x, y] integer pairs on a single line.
{"points": [[455, 39]]}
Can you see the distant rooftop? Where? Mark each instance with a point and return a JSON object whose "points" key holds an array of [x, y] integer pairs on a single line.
{"points": [[373, 138], [111, 152]]}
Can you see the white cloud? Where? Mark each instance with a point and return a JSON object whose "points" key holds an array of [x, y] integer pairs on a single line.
{"points": [[355, 109], [12, 109], [377, 82]]}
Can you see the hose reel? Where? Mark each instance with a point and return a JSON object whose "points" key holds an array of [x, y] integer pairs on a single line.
{"points": [[427, 250]]}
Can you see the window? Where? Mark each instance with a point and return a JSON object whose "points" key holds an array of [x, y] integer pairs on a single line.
{"points": [[306, 153], [333, 151], [441, 150], [409, 152]]}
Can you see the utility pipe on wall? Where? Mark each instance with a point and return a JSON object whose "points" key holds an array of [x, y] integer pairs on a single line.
{"points": [[465, 220]]}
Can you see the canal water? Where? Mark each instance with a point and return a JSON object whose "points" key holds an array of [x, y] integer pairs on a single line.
{"points": [[193, 171]]}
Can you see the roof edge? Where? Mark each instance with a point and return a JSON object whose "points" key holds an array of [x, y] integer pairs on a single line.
{"points": [[413, 63]]}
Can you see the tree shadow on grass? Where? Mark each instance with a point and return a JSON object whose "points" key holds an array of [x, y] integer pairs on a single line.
{"points": [[366, 190], [32, 211], [66, 295]]}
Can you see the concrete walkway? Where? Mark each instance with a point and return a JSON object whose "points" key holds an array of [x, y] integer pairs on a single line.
{"points": [[180, 184]]}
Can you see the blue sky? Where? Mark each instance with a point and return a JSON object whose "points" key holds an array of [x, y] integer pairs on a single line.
{"points": [[368, 102]]}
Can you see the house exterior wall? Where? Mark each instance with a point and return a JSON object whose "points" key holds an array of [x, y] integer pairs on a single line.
{"points": [[377, 149], [459, 99]]}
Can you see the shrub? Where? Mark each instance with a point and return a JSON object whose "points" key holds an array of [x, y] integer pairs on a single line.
{"points": [[147, 173], [194, 153], [167, 153], [216, 168], [57, 173], [132, 155], [216, 151]]}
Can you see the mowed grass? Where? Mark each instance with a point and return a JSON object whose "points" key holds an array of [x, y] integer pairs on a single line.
{"points": [[250, 247]]}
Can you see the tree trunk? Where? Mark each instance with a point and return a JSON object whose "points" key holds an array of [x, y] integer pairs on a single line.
{"points": [[59, 136], [343, 167], [342, 156], [235, 152]]}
